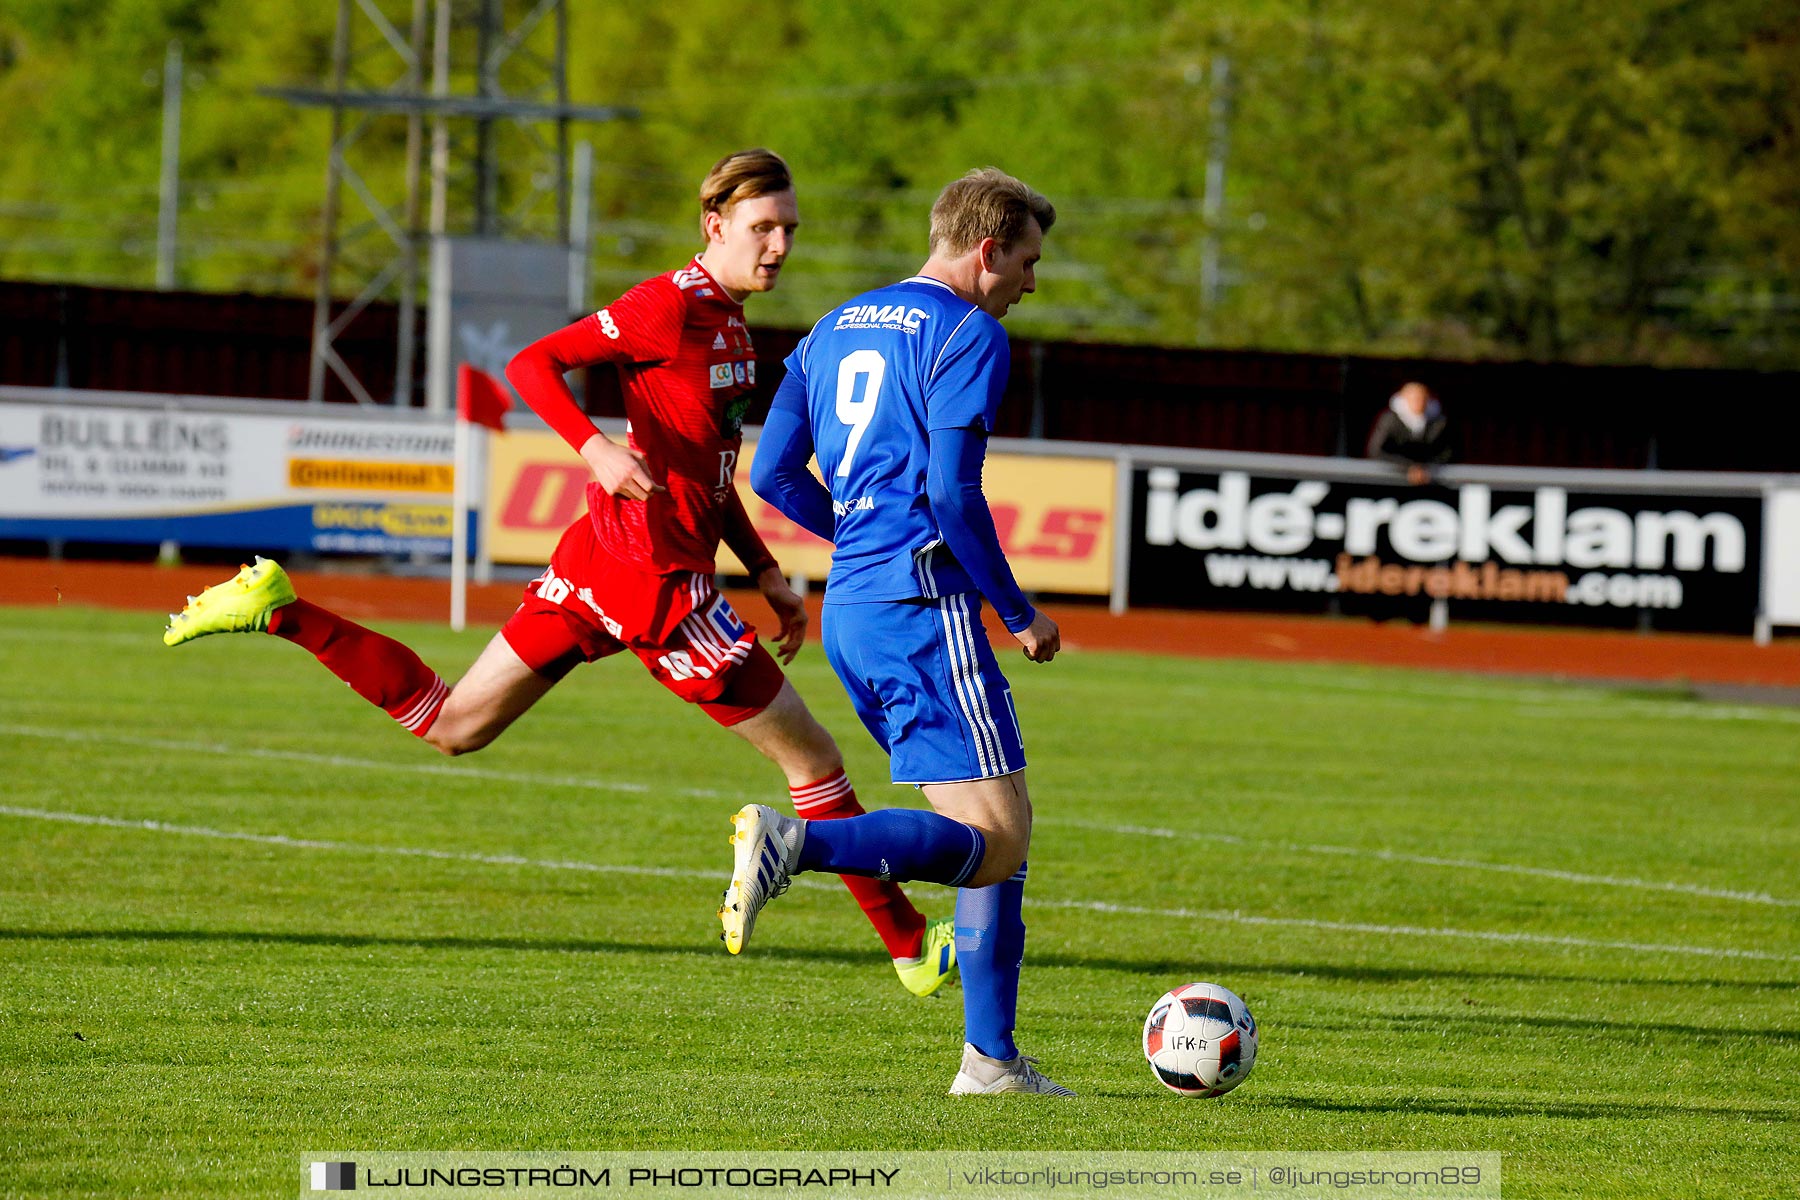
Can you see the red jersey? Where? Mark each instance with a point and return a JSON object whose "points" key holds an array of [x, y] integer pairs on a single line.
{"points": [[687, 368]]}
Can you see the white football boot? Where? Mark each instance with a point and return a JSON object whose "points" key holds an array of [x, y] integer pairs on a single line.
{"points": [[984, 1076], [765, 850]]}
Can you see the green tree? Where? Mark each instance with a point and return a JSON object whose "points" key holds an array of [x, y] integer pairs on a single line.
{"points": [[1546, 178]]}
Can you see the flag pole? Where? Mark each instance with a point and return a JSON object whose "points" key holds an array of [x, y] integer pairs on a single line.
{"points": [[482, 477], [459, 529]]}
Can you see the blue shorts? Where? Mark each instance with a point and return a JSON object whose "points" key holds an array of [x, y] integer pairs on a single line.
{"points": [[924, 681]]}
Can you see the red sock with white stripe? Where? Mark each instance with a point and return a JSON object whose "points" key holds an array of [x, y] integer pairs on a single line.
{"points": [[381, 670], [900, 925]]}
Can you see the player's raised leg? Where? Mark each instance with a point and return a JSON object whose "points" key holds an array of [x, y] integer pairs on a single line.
{"points": [[261, 599], [788, 735], [495, 691]]}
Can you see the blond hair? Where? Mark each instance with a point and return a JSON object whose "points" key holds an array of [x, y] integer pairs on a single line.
{"points": [[985, 203], [742, 176]]}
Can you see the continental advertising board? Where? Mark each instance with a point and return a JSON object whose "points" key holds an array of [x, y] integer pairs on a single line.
{"points": [[279, 482], [1054, 515], [1552, 554]]}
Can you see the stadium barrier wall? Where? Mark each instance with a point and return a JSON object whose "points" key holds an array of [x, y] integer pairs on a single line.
{"points": [[1054, 513], [1142, 525], [135, 468]]}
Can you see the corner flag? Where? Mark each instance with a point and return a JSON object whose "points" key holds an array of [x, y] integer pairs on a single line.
{"points": [[481, 398]]}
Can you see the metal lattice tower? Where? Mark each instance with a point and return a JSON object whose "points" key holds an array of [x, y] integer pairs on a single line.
{"points": [[500, 114]]}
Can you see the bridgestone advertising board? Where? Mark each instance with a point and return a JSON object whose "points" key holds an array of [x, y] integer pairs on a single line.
{"points": [[1548, 554]]}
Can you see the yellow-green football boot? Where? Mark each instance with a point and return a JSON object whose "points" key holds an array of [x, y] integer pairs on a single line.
{"points": [[242, 604], [936, 962]]}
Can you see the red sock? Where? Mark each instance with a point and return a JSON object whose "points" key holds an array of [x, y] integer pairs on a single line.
{"points": [[382, 671], [900, 925]]}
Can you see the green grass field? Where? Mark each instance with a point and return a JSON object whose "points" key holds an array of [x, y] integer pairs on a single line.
{"points": [[1560, 923]]}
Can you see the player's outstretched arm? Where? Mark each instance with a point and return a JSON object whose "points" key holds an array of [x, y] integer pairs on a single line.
{"points": [[953, 486], [779, 474], [537, 372], [642, 326]]}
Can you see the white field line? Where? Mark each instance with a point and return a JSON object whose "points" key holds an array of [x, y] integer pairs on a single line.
{"points": [[533, 779], [1431, 860], [1673, 710], [1575, 700], [298, 843], [1479, 935], [529, 778], [1097, 906]]}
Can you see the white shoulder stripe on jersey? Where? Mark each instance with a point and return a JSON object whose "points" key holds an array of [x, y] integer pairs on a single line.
{"points": [[946, 346]]}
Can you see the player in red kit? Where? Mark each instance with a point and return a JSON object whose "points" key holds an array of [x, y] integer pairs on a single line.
{"points": [[636, 571]]}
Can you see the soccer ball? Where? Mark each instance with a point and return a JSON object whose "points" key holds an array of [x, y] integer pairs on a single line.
{"points": [[1200, 1040]]}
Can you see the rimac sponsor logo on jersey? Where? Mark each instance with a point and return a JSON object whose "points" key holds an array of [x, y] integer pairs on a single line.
{"points": [[882, 316]]}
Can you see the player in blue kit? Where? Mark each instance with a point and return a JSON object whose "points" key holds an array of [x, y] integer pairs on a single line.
{"points": [[896, 392]]}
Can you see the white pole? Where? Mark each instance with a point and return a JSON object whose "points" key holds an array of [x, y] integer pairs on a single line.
{"points": [[1764, 630], [459, 531], [1124, 468], [481, 478]]}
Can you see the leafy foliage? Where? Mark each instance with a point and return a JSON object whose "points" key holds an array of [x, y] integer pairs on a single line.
{"points": [[1574, 179]]}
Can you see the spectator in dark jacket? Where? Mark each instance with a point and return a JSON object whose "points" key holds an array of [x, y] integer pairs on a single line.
{"points": [[1412, 432]]}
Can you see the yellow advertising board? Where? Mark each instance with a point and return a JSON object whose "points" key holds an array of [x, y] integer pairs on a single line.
{"points": [[1054, 515], [536, 487]]}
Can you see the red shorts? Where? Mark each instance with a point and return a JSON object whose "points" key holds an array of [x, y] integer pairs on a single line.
{"points": [[587, 605]]}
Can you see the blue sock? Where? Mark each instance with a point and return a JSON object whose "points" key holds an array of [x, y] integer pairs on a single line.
{"points": [[894, 843], [990, 949]]}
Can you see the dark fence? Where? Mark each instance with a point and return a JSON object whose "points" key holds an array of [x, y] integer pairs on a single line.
{"points": [[195, 343], [1525, 414]]}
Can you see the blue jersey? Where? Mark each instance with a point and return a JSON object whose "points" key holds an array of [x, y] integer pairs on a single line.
{"points": [[881, 372]]}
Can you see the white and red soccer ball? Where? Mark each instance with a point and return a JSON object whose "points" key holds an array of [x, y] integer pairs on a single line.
{"points": [[1200, 1040]]}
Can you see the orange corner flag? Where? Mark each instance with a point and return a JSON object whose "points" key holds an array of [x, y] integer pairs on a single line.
{"points": [[481, 398]]}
